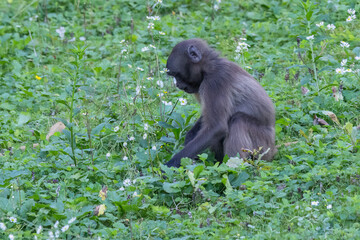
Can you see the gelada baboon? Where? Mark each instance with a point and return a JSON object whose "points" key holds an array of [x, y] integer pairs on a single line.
{"points": [[237, 114]]}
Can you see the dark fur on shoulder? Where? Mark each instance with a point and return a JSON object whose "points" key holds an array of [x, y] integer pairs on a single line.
{"points": [[237, 113]]}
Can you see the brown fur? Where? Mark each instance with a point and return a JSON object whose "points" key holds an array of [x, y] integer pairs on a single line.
{"points": [[237, 113]]}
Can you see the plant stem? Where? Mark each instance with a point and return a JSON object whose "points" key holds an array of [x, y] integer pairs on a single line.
{"points": [[72, 137], [313, 56]]}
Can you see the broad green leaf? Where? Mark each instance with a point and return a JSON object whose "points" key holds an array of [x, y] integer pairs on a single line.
{"points": [[23, 118]]}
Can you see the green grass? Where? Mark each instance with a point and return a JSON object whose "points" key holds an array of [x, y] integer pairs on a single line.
{"points": [[105, 80]]}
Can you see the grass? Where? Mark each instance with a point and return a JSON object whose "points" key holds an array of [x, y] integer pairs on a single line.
{"points": [[102, 75]]}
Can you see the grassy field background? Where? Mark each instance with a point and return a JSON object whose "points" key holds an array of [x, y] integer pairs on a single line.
{"points": [[88, 116]]}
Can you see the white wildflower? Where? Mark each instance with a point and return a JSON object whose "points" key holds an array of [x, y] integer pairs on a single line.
{"points": [[65, 228], [320, 24], [161, 33], [343, 62], [315, 203], [144, 49], [166, 70], [136, 194], [160, 83], [310, 37], [125, 144], [154, 18], [153, 148], [151, 25], [250, 226], [216, 7], [144, 136], [123, 51], [129, 65], [348, 70], [167, 103], [242, 46], [122, 189], [72, 40], [160, 94], [150, 78], [140, 69], [2, 226], [357, 57], [329, 206], [234, 162], [125, 158], [51, 235], [152, 46], [71, 220], [349, 18], [146, 126], [174, 79], [330, 27], [61, 31], [13, 219], [344, 44], [131, 138], [11, 237], [122, 41], [38, 230], [108, 155], [116, 128], [351, 11], [56, 224], [82, 38], [340, 70], [138, 89], [183, 101], [57, 234], [127, 182]]}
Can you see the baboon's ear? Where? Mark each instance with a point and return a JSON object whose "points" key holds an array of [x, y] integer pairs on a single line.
{"points": [[194, 54]]}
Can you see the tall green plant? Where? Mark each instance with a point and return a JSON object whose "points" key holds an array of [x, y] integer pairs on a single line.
{"points": [[75, 76]]}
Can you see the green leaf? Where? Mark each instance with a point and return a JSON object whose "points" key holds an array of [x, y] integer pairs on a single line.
{"points": [[198, 170], [309, 15], [191, 177], [173, 187], [23, 118], [348, 128], [97, 129], [305, 79], [65, 103], [165, 125], [243, 176], [226, 182]]}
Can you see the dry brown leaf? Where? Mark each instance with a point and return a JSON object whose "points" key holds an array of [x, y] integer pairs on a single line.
{"points": [[290, 143], [103, 193], [337, 94], [319, 121], [304, 90], [332, 116], [99, 210], [35, 145], [57, 127], [22, 148]]}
